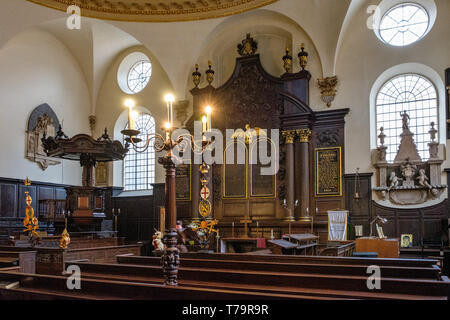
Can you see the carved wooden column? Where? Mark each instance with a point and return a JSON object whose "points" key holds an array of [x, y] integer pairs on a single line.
{"points": [[171, 257], [304, 135], [289, 137]]}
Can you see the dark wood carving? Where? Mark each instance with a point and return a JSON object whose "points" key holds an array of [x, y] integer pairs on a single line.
{"points": [[254, 97]]}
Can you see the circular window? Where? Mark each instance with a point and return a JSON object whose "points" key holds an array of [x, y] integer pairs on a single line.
{"points": [[404, 24], [139, 76]]}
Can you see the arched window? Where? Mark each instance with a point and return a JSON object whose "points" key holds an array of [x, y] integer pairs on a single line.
{"points": [[139, 168], [417, 96]]}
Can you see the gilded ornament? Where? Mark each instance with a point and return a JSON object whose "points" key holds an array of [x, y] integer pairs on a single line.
{"points": [[328, 89], [196, 76], [209, 73], [289, 136], [303, 57], [304, 134], [287, 59]]}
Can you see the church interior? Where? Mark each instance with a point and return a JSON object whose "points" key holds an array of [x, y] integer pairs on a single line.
{"points": [[224, 150]]}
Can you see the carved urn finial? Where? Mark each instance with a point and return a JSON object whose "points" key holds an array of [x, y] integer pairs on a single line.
{"points": [[196, 76], [382, 148], [303, 57], [432, 132], [381, 136], [327, 88], [248, 46], [433, 145], [287, 59], [209, 73]]}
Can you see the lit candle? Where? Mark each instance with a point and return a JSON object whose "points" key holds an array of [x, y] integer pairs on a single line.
{"points": [[130, 104], [208, 118], [169, 100], [204, 119]]}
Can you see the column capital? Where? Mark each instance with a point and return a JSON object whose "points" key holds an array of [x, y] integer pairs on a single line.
{"points": [[289, 135], [304, 134]]}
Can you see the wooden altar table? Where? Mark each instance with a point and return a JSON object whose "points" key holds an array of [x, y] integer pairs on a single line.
{"points": [[227, 243], [386, 248]]}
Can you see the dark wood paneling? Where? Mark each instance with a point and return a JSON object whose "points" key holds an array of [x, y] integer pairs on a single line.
{"points": [[138, 217], [427, 223], [8, 200]]}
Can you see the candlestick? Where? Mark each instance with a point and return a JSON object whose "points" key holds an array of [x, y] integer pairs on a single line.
{"points": [[131, 123], [271, 234]]}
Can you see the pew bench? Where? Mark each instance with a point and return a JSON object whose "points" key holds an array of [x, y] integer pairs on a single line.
{"points": [[314, 259], [313, 284], [431, 273], [47, 287], [25, 260]]}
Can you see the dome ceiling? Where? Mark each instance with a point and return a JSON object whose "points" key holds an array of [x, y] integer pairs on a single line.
{"points": [[156, 10]]}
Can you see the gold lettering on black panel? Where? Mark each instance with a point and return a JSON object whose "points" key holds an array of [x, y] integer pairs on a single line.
{"points": [[328, 172], [183, 182], [262, 186], [235, 175]]}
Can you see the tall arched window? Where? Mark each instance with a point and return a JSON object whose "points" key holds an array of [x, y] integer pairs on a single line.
{"points": [[139, 168], [417, 96]]}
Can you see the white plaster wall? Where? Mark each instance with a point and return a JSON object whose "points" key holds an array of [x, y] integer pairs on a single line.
{"points": [[364, 58], [36, 68]]}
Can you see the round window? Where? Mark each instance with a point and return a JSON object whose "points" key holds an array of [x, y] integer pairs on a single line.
{"points": [[139, 76], [404, 24]]}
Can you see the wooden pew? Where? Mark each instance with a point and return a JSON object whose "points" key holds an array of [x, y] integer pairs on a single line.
{"points": [[25, 260], [51, 260], [431, 273], [315, 285], [33, 286], [313, 259]]}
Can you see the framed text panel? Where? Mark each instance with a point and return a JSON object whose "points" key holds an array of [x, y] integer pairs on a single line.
{"points": [[328, 172], [183, 182]]}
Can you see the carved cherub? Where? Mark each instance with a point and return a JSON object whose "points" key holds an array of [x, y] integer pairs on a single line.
{"points": [[394, 180], [157, 242], [423, 179]]}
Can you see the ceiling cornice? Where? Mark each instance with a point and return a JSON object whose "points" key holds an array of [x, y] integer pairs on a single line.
{"points": [[156, 10]]}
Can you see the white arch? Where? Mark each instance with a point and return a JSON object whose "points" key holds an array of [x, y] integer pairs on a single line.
{"points": [[416, 68]]}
